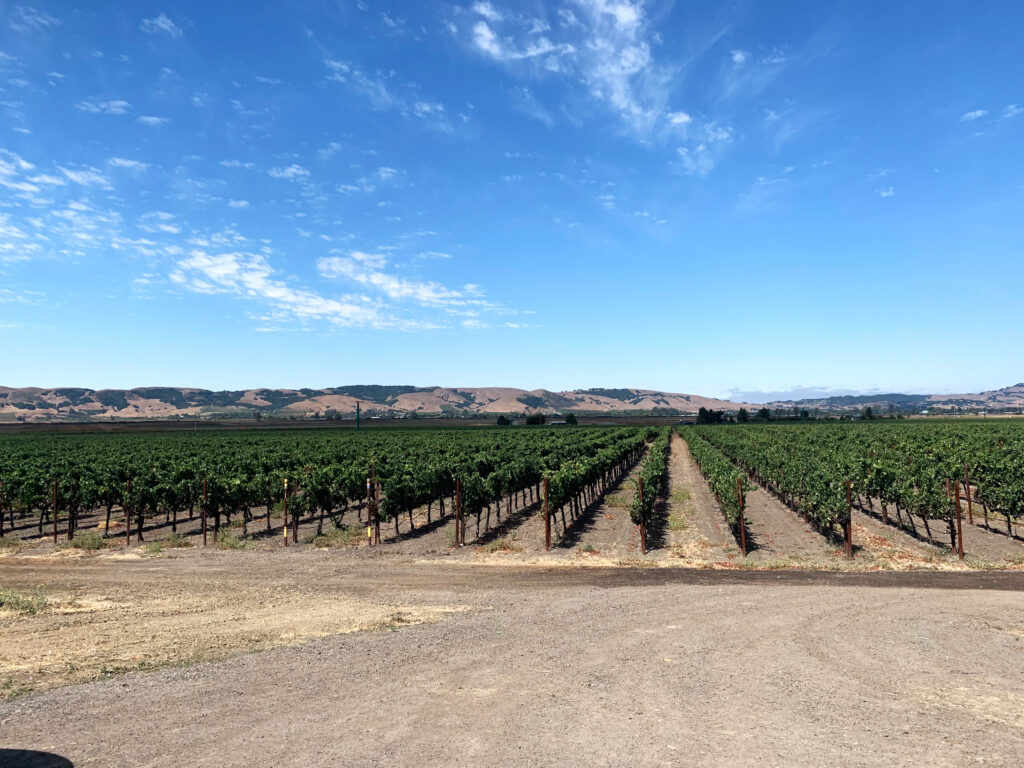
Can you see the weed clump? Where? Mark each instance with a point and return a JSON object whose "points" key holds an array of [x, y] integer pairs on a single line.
{"points": [[22, 602], [504, 544], [338, 538], [173, 541], [227, 541], [89, 540], [618, 500]]}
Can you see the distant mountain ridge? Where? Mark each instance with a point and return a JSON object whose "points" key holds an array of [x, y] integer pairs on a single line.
{"points": [[71, 403], [1007, 397], [75, 403]]}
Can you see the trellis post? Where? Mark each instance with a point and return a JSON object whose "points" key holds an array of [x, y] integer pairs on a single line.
{"points": [[959, 526], [547, 519], [849, 520], [643, 517], [967, 487], [127, 515], [54, 511], [284, 530], [743, 521], [204, 510]]}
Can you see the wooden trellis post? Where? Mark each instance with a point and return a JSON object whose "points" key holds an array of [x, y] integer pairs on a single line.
{"points": [[127, 515], [204, 510], [284, 530], [547, 519], [849, 520], [54, 511], [967, 487], [959, 526], [643, 517], [743, 522]]}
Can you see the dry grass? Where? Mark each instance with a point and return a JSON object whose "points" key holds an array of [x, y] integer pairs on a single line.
{"points": [[85, 540], [340, 538], [23, 603], [504, 544]]}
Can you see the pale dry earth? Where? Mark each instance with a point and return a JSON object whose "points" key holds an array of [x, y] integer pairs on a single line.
{"points": [[551, 666]]}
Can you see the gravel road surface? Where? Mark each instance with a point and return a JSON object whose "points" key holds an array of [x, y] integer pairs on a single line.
{"points": [[568, 667]]}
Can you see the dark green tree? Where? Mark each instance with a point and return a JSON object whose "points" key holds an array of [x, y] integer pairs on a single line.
{"points": [[742, 415], [504, 421], [571, 419], [710, 416], [764, 415]]}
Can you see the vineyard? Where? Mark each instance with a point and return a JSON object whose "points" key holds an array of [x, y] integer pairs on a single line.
{"points": [[281, 481], [931, 480], [909, 472]]}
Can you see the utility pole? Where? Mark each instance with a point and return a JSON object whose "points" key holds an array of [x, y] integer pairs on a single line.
{"points": [[357, 415]]}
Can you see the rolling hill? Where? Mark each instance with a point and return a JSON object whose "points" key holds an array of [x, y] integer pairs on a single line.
{"points": [[75, 403], [1007, 397]]}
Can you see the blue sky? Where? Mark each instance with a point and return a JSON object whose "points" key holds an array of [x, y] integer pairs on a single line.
{"points": [[693, 196]]}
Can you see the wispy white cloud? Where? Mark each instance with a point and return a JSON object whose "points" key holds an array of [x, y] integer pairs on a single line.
{"points": [[12, 163], [8, 296], [85, 176], [885, 192], [524, 100], [703, 149], [134, 165], [976, 114], [26, 19], [250, 276], [153, 121], [605, 49], [161, 24], [505, 50], [739, 57], [1012, 111], [330, 150], [238, 203], [290, 172], [386, 92], [367, 270], [110, 107], [487, 11], [156, 222]]}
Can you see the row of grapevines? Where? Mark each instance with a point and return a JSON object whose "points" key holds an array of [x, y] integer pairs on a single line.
{"points": [[653, 476], [910, 466], [165, 474], [721, 474]]}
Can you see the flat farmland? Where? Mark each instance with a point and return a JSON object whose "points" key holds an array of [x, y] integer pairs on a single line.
{"points": [[457, 634]]}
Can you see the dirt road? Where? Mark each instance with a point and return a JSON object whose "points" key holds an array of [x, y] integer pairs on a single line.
{"points": [[558, 666]]}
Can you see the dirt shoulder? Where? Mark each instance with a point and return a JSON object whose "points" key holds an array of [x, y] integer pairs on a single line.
{"points": [[111, 619], [543, 666], [107, 615]]}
